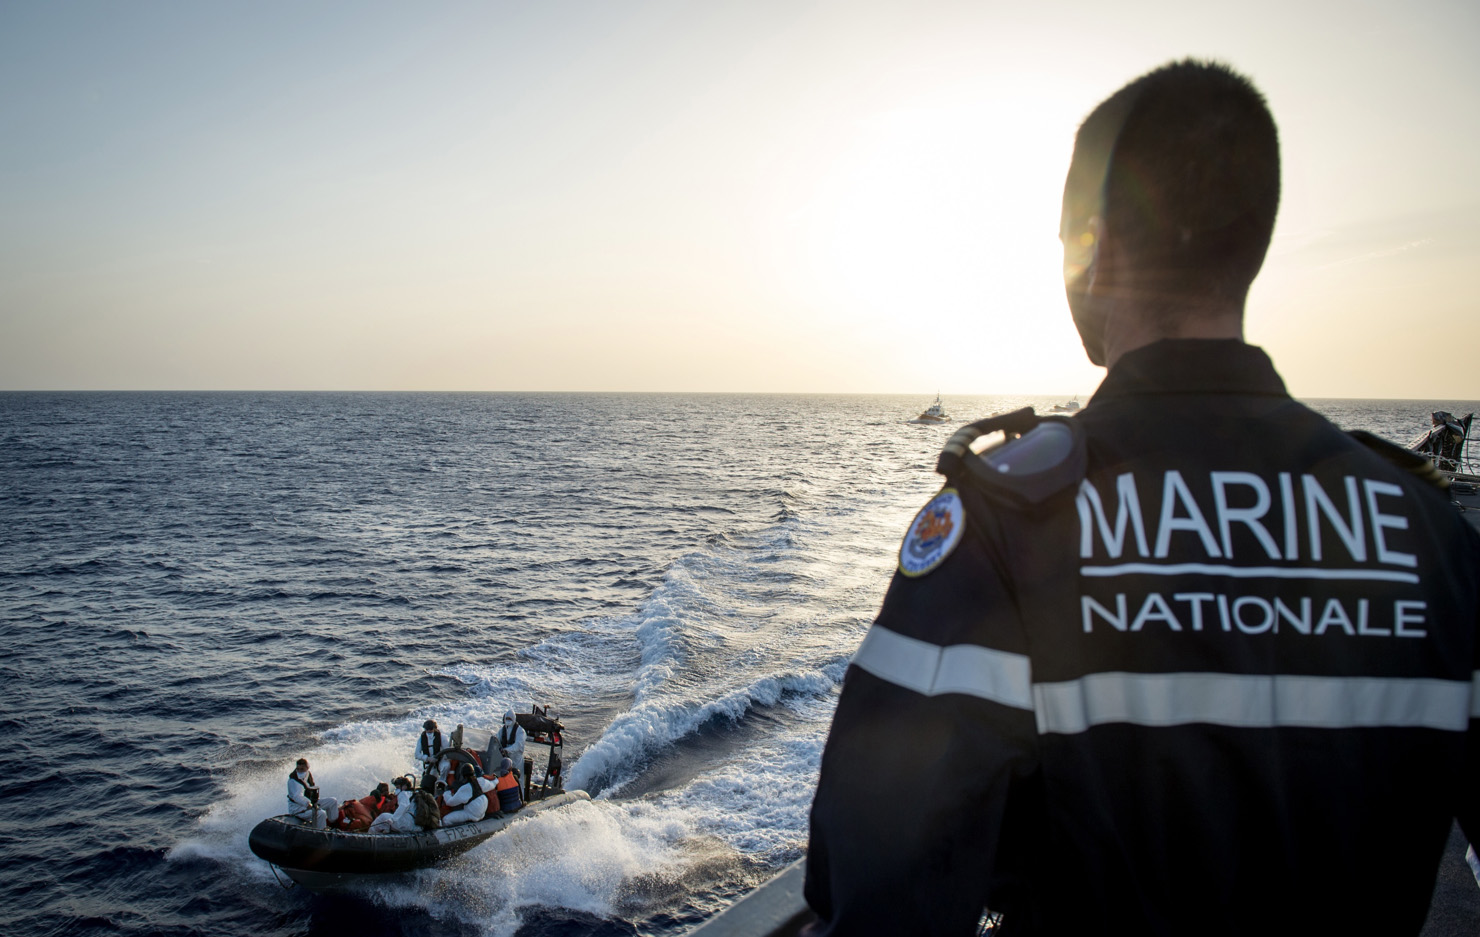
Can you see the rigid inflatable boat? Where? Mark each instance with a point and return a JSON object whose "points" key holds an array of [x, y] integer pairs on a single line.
{"points": [[328, 859]]}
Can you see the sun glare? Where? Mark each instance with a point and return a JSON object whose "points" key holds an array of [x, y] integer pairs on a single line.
{"points": [[944, 211]]}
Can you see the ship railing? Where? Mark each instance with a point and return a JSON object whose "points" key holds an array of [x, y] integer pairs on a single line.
{"points": [[778, 909]]}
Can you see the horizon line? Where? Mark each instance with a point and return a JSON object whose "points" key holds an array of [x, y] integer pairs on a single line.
{"points": [[655, 393]]}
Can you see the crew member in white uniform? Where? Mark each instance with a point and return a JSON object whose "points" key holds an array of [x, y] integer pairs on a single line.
{"points": [[470, 798], [428, 745], [511, 742], [303, 797]]}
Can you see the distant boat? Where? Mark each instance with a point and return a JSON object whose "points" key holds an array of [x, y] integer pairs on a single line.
{"points": [[935, 413], [1071, 407], [1446, 441]]}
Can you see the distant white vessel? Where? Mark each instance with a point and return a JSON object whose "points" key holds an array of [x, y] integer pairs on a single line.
{"points": [[1069, 407], [935, 413]]}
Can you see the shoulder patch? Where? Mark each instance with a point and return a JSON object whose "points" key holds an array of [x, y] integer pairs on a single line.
{"points": [[1040, 458], [933, 535]]}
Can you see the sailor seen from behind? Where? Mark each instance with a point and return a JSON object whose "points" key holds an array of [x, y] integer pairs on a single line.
{"points": [[1206, 684]]}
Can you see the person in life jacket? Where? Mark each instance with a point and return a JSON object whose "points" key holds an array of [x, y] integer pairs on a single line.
{"points": [[303, 796], [511, 741], [354, 816], [429, 746], [470, 799], [380, 800], [507, 786], [400, 816]]}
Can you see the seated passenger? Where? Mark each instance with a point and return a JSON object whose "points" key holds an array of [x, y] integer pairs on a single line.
{"points": [[439, 792], [508, 788], [400, 815], [380, 800], [469, 798], [303, 796], [354, 817]]}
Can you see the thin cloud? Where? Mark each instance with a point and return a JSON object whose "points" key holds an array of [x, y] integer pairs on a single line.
{"points": [[1378, 254]]}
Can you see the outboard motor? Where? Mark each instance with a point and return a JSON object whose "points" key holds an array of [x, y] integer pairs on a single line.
{"points": [[553, 779], [1445, 442]]}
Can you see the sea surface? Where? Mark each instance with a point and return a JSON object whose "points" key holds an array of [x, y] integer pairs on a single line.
{"points": [[198, 588]]}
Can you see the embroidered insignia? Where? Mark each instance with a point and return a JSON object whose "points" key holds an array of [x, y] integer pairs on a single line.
{"points": [[934, 534]]}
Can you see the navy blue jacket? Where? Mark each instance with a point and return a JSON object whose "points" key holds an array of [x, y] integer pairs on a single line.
{"points": [[1223, 682]]}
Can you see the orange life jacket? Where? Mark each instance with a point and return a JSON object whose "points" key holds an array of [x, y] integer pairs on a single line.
{"points": [[354, 816], [508, 793], [376, 804]]}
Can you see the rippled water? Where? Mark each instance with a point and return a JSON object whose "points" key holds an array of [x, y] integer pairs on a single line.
{"points": [[197, 588]]}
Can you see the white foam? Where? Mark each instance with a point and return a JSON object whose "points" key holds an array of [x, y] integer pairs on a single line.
{"points": [[711, 641], [635, 734], [759, 802], [582, 857]]}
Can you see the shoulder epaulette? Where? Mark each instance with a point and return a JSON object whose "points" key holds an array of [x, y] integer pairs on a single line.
{"points": [[1415, 462], [1039, 457]]}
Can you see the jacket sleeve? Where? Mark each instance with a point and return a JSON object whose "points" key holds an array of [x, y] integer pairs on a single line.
{"points": [[927, 797], [1468, 810], [1467, 785], [296, 794], [458, 797]]}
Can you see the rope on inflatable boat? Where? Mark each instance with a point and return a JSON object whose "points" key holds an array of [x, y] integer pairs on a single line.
{"points": [[289, 886]]}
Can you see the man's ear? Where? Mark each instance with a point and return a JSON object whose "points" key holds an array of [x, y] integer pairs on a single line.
{"points": [[1086, 306]]}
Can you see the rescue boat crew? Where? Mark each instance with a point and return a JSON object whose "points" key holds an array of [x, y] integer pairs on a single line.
{"points": [[428, 747], [511, 741], [303, 796], [470, 798]]}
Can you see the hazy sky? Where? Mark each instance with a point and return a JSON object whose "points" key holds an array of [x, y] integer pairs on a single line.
{"points": [[690, 196]]}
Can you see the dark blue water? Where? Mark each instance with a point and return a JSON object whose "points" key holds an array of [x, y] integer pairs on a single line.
{"points": [[195, 589]]}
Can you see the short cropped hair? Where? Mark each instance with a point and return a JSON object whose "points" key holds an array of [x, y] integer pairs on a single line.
{"points": [[1190, 161]]}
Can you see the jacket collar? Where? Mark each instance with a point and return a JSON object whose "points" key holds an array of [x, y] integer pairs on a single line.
{"points": [[1192, 366]]}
